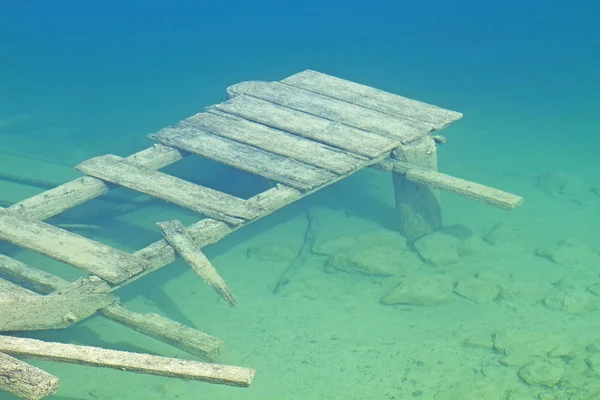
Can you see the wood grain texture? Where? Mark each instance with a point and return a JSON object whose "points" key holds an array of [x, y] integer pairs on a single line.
{"points": [[374, 99], [333, 109], [24, 380], [91, 256]]}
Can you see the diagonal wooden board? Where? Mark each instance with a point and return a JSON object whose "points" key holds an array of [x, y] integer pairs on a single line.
{"points": [[345, 137], [257, 161], [206, 201], [94, 257], [333, 109], [273, 140], [375, 99]]}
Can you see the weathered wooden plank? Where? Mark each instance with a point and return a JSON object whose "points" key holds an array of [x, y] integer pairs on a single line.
{"points": [[332, 109], [26, 312], [244, 157], [183, 244], [91, 256], [81, 190], [342, 136], [209, 202], [375, 99], [123, 360], [470, 190], [272, 140], [30, 277], [24, 380]]}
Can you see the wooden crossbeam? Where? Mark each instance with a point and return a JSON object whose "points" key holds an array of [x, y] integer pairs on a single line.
{"points": [[24, 380], [322, 130], [374, 99], [257, 161], [272, 140], [86, 254], [127, 361], [332, 109], [206, 201]]}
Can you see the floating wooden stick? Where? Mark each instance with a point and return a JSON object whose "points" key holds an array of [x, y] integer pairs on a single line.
{"points": [[127, 361], [177, 236], [24, 380]]}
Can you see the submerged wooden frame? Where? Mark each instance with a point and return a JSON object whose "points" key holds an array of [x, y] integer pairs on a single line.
{"points": [[304, 133]]}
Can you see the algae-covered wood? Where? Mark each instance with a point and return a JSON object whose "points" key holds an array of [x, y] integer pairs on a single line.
{"points": [[375, 99], [91, 256], [322, 130], [333, 109], [273, 140], [24, 380], [177, 236], [127, 361], [209, 202], [257, 161]]}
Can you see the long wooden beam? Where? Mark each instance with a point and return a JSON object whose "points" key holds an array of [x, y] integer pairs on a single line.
{"points": [[24, 380]]}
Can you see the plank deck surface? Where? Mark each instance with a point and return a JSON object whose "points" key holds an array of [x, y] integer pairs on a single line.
{"points": [[209, 202], [322, 130], [375, 99], [332, 109], [91, 256], [257, 161], [272, 140]]}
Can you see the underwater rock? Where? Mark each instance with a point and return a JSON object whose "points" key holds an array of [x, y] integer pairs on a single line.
{"points": [[523, 292], [367, 261], [474, 246], [593, 362], [527, 343], [569, 251], [593, 347], [594, 289], [571, 301], [574, 188], [420, 291], [379, 238], [438, 249], [542, 372], [273, 252], [476, 290]]}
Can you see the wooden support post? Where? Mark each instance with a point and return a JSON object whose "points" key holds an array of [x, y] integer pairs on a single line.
{"points": [[417, 205], [24, 380]]}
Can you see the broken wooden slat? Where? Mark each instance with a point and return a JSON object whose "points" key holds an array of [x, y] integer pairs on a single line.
{"points": [[24, 312], [209, 202], [81, 190], [123, 360], [345, 137], [24, 380], [332, 109], [471, 190], [91, 256], [183, 337], [375, 99], [273, 140], [183, 244], [247, 158]]}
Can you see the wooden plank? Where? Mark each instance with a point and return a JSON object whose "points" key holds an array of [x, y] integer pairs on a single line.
{"points": [[271, 166], [209, 202], [28, 276], [342, 136], [183, 244], [91, 256], [332, 109], [123, 360], [273, 140], [81, 190], [375, 99], [470, 190], [24, 380], [26, 312]]}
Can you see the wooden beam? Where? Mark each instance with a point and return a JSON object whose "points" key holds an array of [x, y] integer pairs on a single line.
{"points": [[356, 141], [374, 99], [332, 109], [200, 199], [257, 161], [24, 380], [127, 361], [183, 244]]}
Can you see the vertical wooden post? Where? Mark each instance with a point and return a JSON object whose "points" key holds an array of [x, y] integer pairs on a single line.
{"points": [[417, 206]]}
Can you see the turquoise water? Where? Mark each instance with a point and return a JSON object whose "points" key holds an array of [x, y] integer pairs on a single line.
{"points": [[82, 79]]}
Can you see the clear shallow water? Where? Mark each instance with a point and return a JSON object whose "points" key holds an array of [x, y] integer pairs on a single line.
{"points": [[95, 78]]}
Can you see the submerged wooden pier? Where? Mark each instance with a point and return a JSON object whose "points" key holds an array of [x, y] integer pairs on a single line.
{"points": [[302, 134]]}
